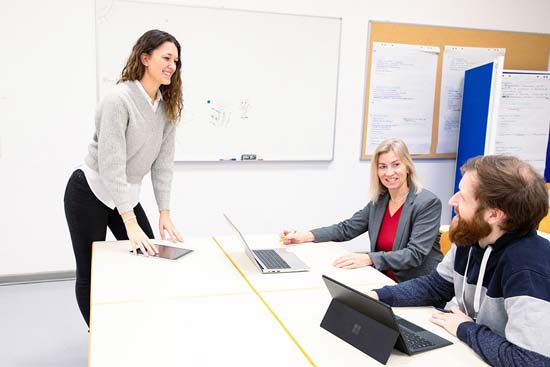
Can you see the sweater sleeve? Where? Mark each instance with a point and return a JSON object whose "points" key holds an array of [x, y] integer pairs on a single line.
{"points": [[428, 290], [495, 349], [425, 230], [112, 122], [525, 340], [346, 230], [163, 168]]}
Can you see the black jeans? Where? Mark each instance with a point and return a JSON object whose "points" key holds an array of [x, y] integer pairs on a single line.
{"points": [[88, 219]]}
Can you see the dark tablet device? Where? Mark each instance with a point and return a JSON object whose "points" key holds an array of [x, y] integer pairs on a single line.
{"points": [[411, 339], [168, 252]]}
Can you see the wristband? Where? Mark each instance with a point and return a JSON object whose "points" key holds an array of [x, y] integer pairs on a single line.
{"points": [[129, 219]]}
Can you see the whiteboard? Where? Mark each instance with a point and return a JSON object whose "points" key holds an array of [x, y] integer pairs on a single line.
{"points": [[523, 120], [254, 83]]}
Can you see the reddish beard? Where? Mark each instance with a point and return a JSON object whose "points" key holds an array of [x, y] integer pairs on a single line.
{"points": [[468, 232]]}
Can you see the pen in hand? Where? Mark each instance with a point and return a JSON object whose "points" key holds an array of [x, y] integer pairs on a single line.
{"points": [[282, 239], [443, 310]]}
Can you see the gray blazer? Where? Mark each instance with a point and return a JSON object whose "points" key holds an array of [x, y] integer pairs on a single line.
{"points": [[415, 250]]}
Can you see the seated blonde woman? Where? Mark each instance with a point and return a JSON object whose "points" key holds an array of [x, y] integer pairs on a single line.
{"points": [[402, 220]]}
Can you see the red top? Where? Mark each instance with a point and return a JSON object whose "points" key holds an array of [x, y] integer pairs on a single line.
{"points": [[387, 234]]}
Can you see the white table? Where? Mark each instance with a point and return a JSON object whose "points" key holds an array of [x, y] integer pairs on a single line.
{"points": [[118, 276], [213, 307], [226, 330], [300, 300]]}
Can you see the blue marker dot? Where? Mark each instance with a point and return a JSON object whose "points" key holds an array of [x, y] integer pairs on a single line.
{"points": [[208, 101]]}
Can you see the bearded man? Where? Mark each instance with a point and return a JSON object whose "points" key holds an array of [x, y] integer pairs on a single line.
{"points": [[498, 267]]}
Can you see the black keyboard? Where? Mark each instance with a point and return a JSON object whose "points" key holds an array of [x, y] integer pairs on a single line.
{"points": [[271, 259], [415, 342], [409, 326]]}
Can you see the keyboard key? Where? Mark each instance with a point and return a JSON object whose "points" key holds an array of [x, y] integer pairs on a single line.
{"points": [[415, 342]]}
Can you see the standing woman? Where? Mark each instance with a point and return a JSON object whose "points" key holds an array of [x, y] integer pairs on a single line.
{"points": [[135, 126], [402, 219]]}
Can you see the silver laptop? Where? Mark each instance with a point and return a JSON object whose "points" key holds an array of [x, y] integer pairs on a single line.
{"points": [[277, 260]]}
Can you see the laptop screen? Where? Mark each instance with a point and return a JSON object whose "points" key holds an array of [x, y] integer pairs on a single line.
{"points": [[241, 238]]}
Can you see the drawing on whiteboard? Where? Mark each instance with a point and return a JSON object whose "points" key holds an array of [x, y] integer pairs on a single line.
{"points": [[244, 107], [219, 117]]}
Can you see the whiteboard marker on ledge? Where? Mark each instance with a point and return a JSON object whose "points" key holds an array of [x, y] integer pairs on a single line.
{"points": [[248, 157]]}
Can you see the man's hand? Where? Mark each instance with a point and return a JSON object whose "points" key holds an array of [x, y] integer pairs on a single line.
{"points": [[450, 321]]}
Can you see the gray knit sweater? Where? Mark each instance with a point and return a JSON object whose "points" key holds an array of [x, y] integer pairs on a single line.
{"points": [[130, 140]]}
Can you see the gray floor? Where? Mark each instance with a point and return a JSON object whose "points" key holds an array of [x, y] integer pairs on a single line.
{"points": [[40, 325]]}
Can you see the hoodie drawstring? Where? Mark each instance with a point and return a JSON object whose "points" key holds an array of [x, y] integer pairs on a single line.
{"points": [[479, 285], [477, 295]]}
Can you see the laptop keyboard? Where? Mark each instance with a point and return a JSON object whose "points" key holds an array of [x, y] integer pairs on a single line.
{"points": [[271, 259], [415, 342]]}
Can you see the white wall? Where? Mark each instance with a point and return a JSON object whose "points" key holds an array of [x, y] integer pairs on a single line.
{"points": [[47, 99]]}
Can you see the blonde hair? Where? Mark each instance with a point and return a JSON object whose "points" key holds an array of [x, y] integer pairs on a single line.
{"points": [[398, 147]]}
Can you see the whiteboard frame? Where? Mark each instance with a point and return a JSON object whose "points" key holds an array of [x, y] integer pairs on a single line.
{"points": [[176, 160]]}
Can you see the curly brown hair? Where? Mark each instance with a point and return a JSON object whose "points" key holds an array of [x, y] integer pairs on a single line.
{"points": [[134, 70]]}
